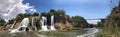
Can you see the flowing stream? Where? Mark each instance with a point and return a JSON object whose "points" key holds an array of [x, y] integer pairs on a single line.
{"points": [[87, 32], [45, 32]]}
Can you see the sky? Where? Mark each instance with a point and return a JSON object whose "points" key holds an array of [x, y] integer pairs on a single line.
{"points": [[89, 9], [86, 8], [10, 8]]}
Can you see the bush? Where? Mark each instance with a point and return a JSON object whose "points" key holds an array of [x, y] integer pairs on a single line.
{"points": [[2, 22]]}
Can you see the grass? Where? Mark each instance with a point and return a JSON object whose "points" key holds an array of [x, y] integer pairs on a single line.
{"points": [[76, 28], [111, 30]]}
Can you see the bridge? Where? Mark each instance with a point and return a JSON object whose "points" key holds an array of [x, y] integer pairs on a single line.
{"points": [[95, 19]]}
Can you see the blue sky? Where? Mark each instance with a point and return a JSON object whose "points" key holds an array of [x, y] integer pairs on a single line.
{"points": [[88, 9]]}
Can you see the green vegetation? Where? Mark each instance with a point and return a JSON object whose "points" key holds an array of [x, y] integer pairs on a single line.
{"points": [[61, 17], [77, 28], [62, 21], [43, 13], [79, 22], [2, 22], [35, 14], [11, 21], [111, 26]]}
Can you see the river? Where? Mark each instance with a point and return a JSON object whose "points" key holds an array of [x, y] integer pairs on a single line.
{"points": [[87, 32]]}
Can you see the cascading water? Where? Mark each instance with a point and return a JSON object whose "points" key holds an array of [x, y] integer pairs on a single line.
{"points": [[34, 20], [22, 27], [52, 23], [35, 23], [24, 24], [44, 24], [12, 26]]}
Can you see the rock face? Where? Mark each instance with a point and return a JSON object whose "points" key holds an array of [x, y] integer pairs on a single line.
{"points": [[62, 22], [17, 24], [114, 17], [63, 27], [34, 23], [111, 27], [79, 22]]}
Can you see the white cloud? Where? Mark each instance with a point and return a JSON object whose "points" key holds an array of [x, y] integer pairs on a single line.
{"points": [[33, 10], [10, 8]]}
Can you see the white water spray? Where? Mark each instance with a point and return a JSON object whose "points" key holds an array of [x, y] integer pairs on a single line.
{"points": [[52, 23], [23, 25], [34, 20], [44, 24], [12, 26]]}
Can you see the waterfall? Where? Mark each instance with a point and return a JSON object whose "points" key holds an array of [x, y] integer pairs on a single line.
{"points": [[24, 24], [22, 27], [12, 26], [52, 23], [35, 23], [34, 20], [44, 24]]}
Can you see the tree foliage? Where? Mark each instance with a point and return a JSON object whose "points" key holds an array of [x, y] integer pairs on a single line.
{"points": [[112, 24], [59, 16], [43, 13], [35, 14], [114, 17], [2, 22], [79, 21]]}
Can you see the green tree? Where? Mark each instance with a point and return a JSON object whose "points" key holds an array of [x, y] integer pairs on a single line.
{"points": [[60, 12], [50, 13], [35, 14], [19, 17], [11, 21], [112, 24], [2, 22], [27, 15], [52, 10], [79, 21], [43, 13]]}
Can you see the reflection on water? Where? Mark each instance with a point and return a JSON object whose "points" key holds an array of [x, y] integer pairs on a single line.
{"points": [[60, 34], [88, 32]]}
